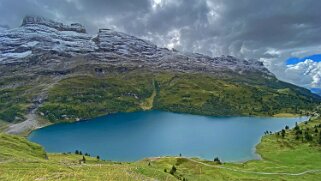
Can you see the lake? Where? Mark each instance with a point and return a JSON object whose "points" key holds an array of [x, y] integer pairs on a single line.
{"points": [[134, 136]]}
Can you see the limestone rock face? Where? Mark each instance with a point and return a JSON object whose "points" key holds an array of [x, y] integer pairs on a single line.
{"points": [[31, 20], [49, 41]]}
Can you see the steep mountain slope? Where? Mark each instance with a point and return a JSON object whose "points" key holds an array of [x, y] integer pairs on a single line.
{"points": [[51, 72]]}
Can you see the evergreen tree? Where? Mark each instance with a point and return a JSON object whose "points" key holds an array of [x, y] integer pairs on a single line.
{"points": [[286, 127], [98, 158], [308, 137], [173, 170], [296, 126], [77, 152], [83, 159], [283, 133], [217, 160]]}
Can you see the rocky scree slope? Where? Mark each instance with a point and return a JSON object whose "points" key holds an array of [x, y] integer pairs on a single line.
{"points": [[51, 72]]}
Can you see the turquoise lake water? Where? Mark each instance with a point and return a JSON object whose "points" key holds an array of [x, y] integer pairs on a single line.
{"points": [[133, 136]]}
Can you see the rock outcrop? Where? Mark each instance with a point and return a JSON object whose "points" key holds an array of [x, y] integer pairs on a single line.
{"points": [[32, 20]]}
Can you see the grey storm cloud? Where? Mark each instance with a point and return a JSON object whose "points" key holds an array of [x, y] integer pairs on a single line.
{"points": [[268, 30]]}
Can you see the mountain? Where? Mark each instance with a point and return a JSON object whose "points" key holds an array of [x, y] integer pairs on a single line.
{"points": [[38, 36], [51, 72]]}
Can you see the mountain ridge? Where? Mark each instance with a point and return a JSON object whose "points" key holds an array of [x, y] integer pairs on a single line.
{"points": [[38, 35], [50, 72]]}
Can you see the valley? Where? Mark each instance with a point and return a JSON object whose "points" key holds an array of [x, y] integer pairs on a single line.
{"points": [[88, 95], [70, 75], [52, 73]]}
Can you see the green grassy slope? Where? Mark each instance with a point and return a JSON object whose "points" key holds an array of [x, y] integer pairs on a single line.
{"points": [[18, 148], [13, 103], [88, 96], [283, 158], [84, 95], [17, 96]]}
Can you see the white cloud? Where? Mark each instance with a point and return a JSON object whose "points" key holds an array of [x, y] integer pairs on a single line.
{"points": [[174, 37], [156, 3], [306, 74]]}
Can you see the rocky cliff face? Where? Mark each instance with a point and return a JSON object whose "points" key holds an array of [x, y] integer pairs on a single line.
{"points": [[38, 36]]}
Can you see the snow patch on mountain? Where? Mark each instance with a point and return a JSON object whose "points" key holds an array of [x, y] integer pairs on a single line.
{"points": [[17, 55]]}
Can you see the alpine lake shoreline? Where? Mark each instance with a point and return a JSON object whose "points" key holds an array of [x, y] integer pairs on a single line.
{"points": [[109, 118], [281, 159]]}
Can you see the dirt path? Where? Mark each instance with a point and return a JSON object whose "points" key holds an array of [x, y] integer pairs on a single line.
{"points": [[253, 172]]}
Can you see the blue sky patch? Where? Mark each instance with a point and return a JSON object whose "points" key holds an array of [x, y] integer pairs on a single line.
{"points": [[295, 60], [316, 90]]}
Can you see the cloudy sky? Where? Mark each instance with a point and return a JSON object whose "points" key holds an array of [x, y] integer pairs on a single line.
{"points": [[284, 34]]}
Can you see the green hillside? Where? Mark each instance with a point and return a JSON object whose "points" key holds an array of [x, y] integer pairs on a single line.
{"points": [[83, 95], [88, 96]]}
